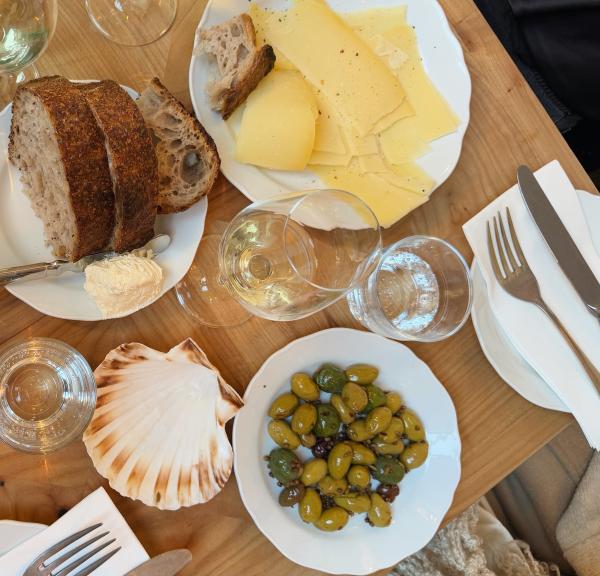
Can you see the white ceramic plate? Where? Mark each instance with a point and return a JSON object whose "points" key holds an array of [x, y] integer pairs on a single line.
{"points": [[443, 59], [12, 533], [22, 242], [425, 493]]}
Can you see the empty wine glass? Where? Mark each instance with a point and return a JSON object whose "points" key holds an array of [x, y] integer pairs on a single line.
{"points": [[132, 22], [26, 27], [283, 259]]}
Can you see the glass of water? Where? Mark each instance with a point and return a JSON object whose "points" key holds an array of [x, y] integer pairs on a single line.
{"points": [[26, 27], [420, 290], [47, 395]]}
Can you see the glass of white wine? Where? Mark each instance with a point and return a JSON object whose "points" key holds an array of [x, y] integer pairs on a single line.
{"points": [[26, 27], [283, 259]]}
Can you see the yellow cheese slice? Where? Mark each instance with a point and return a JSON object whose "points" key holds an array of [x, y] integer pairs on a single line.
{"points": [[258, 16], [328, 137], [402, 142], [371, 163], [410, 176], [329, 159], [403, 111], [278, 124], [336, 61], [360, 145], [375, 21]]}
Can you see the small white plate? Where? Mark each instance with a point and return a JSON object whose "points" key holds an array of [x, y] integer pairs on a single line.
{"points": [[425, 493], [443, 59], [22, 242], [12, 533]]}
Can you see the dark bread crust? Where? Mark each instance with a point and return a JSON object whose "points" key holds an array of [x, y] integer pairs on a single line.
{"points": [[133, 164], [81, 146]]}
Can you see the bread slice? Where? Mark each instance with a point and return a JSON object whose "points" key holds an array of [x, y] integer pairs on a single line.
{"points": [[60, 151], [241, 65], [132, 162], [188, 162]]}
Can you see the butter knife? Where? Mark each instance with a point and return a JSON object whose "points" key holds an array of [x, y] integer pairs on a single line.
{"points": [[155, 246], [559, 241], [167, 564]]}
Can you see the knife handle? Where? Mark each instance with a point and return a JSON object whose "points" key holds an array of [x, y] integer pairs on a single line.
{"points": [[30, 271]]}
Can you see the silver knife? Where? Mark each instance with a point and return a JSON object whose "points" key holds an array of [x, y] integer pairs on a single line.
{"points": [[167, 564], [559, 241], [44, 269]]}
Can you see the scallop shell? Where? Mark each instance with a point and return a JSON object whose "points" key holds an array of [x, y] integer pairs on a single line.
{"points": [[158, 431]]}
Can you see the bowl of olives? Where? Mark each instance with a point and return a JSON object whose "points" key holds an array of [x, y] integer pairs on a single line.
{"points": [[347, 452]]}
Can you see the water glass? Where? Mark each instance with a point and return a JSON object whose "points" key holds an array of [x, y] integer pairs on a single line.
{"points": [[420, 290]]}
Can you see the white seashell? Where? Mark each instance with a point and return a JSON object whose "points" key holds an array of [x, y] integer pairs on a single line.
{"points": [[158, 431]]}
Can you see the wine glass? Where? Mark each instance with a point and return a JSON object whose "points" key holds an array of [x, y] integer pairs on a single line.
{"points": [[132, 22], [26, 27], [283, 259]]}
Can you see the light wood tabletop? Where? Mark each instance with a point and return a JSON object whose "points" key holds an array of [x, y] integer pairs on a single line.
{"points": [[498, 428]]}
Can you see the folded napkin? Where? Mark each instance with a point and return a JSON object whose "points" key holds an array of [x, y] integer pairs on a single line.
{"points": [[97, 507], [532, 333]]}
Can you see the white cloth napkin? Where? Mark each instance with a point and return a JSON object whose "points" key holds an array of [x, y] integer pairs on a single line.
{"points": [[97, 507], [532, 333]]}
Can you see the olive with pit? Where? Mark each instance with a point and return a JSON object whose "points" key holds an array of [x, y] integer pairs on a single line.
{"points": [[358, 431], [330, 378], [359, 476], [328, 421], [310, 507], [305, 387], [385, 448], [283, 406], [354, 396], [284, 465], [380, 513], [361, 454], [314, 471], [388, 470], [413, 427], [346, 415], [362, 373], [291, 495], [378, 420], [332, 520], [414, 455], [393, 433], [393, 401], [282, 434], [354, 503], [376, 397], [339, 460], [308, 440], [304, 419], [331, 487]]}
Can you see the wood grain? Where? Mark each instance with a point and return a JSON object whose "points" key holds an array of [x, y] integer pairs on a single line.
{"points": [[498, 428]]}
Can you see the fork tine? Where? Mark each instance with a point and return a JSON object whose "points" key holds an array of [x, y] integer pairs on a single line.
{"points": [[89, 569], [500, 244], [515, 240], [493, 258], [507, 245], [64, 543], [64, 557], [69, 569]]}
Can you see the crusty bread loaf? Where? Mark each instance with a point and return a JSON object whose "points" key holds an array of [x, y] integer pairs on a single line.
{"points": [[60, 151], [188, 162], [241, 65], [132, 162]]}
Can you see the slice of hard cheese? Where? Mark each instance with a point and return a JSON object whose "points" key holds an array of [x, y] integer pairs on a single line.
{"points": [[259, 17], [329, 159], [278, 124], [328, 137]]}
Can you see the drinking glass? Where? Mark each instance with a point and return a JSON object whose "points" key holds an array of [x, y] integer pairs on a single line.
{"points": [[420, 290], [47, 395], [132, 22], [283, 259], [26, 27]]}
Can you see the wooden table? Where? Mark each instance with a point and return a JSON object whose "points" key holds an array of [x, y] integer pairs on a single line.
{"points": [[498, 428]]}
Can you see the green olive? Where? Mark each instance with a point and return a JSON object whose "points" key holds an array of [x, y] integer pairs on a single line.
{"points": [[305, 387], [354, 396], [388, 470], [332, 487], [304, 419], [314, 471], [291, 495], [346, 415], [386, 448], [380, 512], [413, 427], [394, 431], [328, 421], [361, 454], [358, 431], [308, 440], [359, 476], [339, 460], [393, 401], [414, 455], [376, 397], [333, 519], [310, 506], [283, 406], [284, 465], [378, 420], [330, 378], [354, 503], [362, 373], [282, 434]]}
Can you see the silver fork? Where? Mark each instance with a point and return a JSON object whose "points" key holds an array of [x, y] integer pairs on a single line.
{"points": [[515, 276], [39, 568]]}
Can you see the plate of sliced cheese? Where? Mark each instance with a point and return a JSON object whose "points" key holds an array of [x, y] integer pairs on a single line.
{"points": [[371, 97]]}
